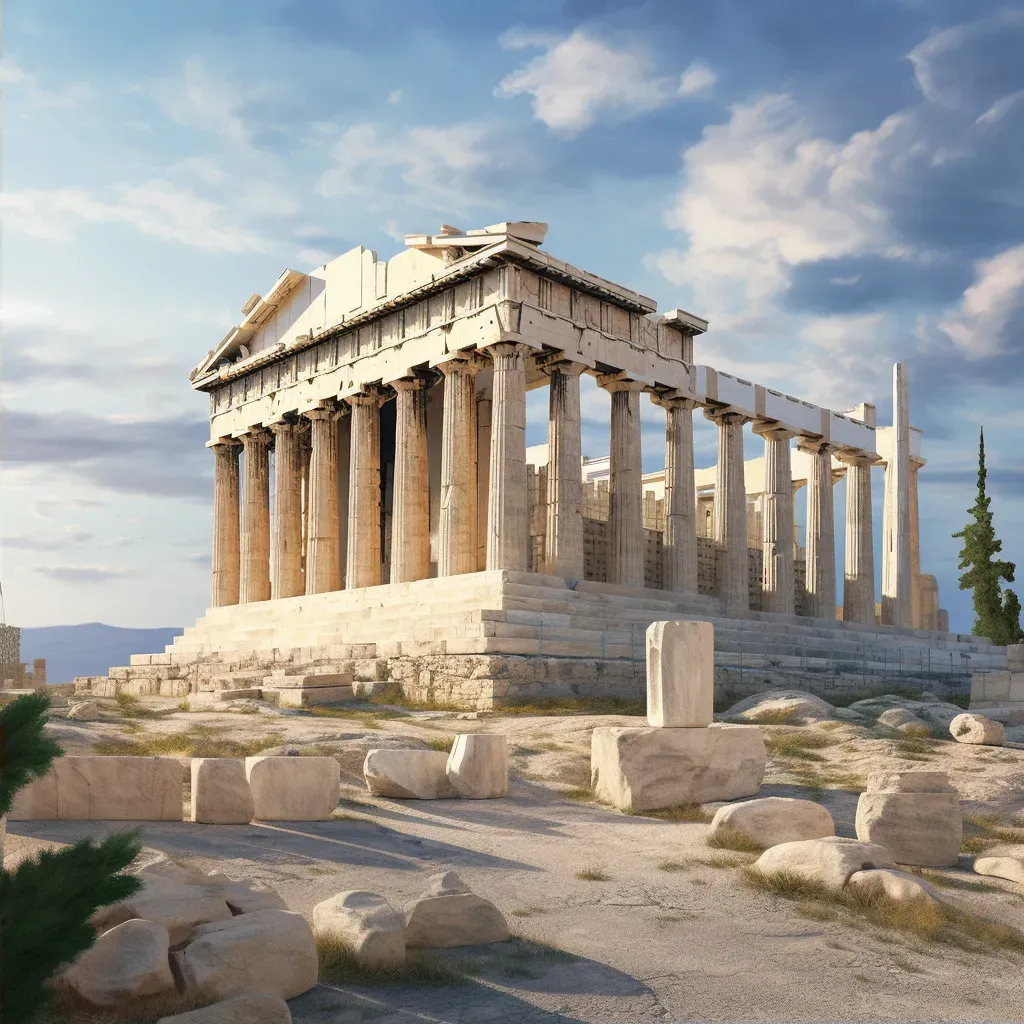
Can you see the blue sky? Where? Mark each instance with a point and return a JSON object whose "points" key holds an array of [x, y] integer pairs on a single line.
{"points": [[834, 186]]}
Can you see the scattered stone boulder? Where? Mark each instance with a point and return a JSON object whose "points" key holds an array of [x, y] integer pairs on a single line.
{"points": [[220, 791], [367, 923], [408, 774], [896, 885], [477, 766], [795, 706], [905, 722], [447, 914], [829, 862], [293, 788], [848, 715], [125, 963], [971, 727], [269, 951], [179, 908], [87, 711], [1008, 866], [937, 714], [914, 815], [248, 898], [771, 820], [249, 1008]]}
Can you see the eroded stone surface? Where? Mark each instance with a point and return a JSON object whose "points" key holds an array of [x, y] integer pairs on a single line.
{"points": [[771, 820], [1008, 866], [220, 791], [408, 774], [249, 1008], [367, 923], [478, 766], [829, 862], [447, 914], [293, 788], [125, 963], [680, 674], [897, 885], [904, 721], [975, 728]]}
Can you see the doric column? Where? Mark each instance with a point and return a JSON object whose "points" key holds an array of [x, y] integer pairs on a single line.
{"points": [[410, 521], [508, 511], [679, 541], [859, 575], [731, 513], [625, 487], [254, 584], [457, 542], [896, 609], [363, 564], [778, 593], [564, 535], [286, 579], [821, 533], [323, 561], [916, 595], [225, 524]]}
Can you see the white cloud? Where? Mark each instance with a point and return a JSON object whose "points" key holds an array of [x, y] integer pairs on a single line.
{"points": [[1001, 108], [204, 101], [395, 97], [579, 78], [71, 95]]}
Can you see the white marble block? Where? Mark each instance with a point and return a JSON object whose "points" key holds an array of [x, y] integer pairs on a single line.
{"points": [[293, 788], [680, 674], [220, 791], [478, 766], [368, 923], [408, 774]]}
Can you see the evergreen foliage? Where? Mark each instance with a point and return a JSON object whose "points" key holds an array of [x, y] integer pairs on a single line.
{"points": [[996, 615], [26, 752]]}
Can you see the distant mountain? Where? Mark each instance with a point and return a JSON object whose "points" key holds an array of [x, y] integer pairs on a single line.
{"points": [[90, 649]]}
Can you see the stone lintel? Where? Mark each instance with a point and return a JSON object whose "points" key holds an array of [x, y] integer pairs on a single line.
{"points": [[621, 380]]}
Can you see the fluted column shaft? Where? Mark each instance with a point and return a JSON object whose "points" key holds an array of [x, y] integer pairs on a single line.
{"points": [[625, 487], [457, 525], [226, 551], [323, 558], [508, 507], [896, 583], [679, 541], [859, 576], [363, 561], [410, 521], [916, 604], [563, 544], [286, 577], [731, 514], [254, 584], [778, 589], [821, 534]]}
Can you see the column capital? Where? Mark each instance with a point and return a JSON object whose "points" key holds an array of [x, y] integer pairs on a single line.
{"points": [[414, 383], [325, 411], [673, 400], [462, 362], [725, 416], [620, 381], [857, 457], [558, 362], [816, 446], [772, 430], [287, 426], [505, 348], [368, 396], [224, 444], [257, 435]]}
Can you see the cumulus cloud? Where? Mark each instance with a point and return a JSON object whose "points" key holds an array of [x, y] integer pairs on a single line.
{"points": [[48, 541], [580, 78], [38, 97], [84, 573]]}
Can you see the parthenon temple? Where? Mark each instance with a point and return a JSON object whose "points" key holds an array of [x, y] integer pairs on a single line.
{"points": [[379, 520]]}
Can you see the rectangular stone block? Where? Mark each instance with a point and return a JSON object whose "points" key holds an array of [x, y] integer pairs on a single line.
{"points": [[1017, 685], [1015, 657], [220, 791], [293, 788], [997, 685], [649, 769], [680, 674], [310, 696]]}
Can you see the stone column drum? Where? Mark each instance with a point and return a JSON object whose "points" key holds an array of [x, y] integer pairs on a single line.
{"points": [[410, 524], [679, 548], [362, 561], [323, 565], [457, 541], [731, 514], [778, 579], [564, 537], [859, 577], [286, 579], [226, 551], [625, 488], [896, 608], [254, 584], [821, 534]]}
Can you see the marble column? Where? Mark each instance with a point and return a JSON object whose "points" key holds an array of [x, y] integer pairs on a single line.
{"points": [[916, 595], [323, 559], [254, 584], [563, 544], [225, 524], [410, 523], [778, 592], [508, 508], [457, 525], [821, 533], [859, 554], [625, 486], [363, 558], [286, 579], [896, 609], [679, 541], [731, 514]]}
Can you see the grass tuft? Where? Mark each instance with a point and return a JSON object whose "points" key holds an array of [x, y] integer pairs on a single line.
{"points": [[580, 794], [982, 831], [800, 745], [728, 838], [129, 706], [593, 874], [693, 813], [195, 741], [68, 1007], [575, 706], [676, 865], [442, 744], [339, 964], [773, 716]]}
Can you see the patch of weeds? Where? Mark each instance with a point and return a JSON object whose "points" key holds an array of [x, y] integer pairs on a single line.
{"points": [[130, 728], [581, 794], [321, 871], [914, 748], [67, 1007], [773, 716], [184, 705], [728, 838], [575, 706], [832, 726], [816, 912], [593, 874], [676, 865], [993, 829], [195, 741], [952, 881], [740, 861], [320, 749], [367, 719], [339, 964], [683, 813], [527, 911], [129, 706], [801, 745], [393, 694]]}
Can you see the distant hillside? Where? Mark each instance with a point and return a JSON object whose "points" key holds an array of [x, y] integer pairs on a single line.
{"points": [[90, 649]]}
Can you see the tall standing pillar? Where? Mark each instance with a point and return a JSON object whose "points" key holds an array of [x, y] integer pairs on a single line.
{"points": [[859, 576], [457, 525], [778, 593], [896, 609], [731, 514], [564, 535], [286, 579], [679, 541], [225, 524], [410, 523], [363, 558], [821, 533], [508, 509], [254, 584], [916, 596], [323, 557], [625, 485]]}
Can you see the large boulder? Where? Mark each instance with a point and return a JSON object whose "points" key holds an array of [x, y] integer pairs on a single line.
{"points": [[179, 908], [125, 963], [408, 774], [367, 923], [86, 711], [478, 766], [783, 706], [249, 1008], [269, 951], [220, 791], [914, 815], [937, 714], [970, 727], [896, 885], [293, 788], [829, 862], [771, 820], [447, 914], [680, 674], [904, 721], [1002, 865]]}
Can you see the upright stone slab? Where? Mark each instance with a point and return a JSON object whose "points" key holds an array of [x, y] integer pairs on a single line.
{"points": [[478, 766], [220, 791], [293, 788], [680, 674]]}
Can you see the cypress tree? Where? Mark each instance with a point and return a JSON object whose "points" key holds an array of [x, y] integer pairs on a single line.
{"points": [[995, 616]]}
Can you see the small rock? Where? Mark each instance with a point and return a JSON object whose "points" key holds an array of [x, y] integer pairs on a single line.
{"points": [[125, 963], [250, 1008], [478, 766], [446, 883], [772, 820], [87, 711], [974, 728], [781, 704], [366, 922], [468, 716], [830, 861], [455, 918], [408, 774], [1010, 867], [905, 722], [897, 885]]}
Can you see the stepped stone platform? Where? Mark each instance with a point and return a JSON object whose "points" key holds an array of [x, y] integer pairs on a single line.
{"points": [[483, 639]]}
